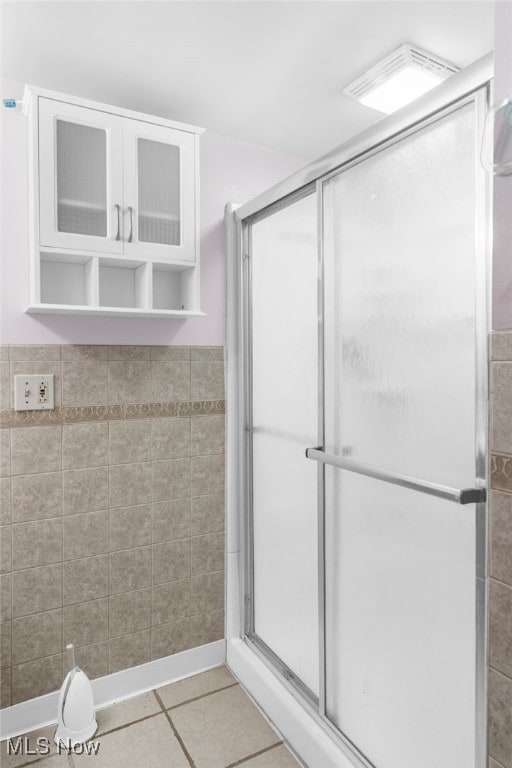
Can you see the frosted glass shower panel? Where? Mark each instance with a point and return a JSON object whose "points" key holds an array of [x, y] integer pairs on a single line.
{"points": [[81, 152], [158, 192], [400, 305], [400, 623], [284, 269]]}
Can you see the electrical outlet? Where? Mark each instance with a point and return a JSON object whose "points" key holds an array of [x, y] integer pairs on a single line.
{"points": [[34, 392]]}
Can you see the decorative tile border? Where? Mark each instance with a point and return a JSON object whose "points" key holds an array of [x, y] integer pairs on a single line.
{"points": [[87, 413], [501, 472]]}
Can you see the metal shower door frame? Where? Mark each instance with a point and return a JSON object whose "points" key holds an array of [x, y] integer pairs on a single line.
{"points": [[469, 86]]}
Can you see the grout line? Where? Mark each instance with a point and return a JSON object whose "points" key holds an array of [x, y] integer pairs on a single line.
{"points": [[254, 754], [500, 581], [97, 736], [174, 730], [202, 696]]}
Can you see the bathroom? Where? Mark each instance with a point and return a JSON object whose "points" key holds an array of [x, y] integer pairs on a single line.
{"points": [[256, 383]]}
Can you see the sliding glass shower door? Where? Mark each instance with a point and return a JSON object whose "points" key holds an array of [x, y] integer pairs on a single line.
{"points": [[366, 435], [401, 399]]}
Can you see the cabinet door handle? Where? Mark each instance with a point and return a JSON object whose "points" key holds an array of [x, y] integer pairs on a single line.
{"points": [[130, 234], [118, 210]]}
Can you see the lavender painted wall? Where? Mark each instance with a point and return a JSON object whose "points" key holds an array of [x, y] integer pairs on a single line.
{"points": [[502, 250], [231, 170]]}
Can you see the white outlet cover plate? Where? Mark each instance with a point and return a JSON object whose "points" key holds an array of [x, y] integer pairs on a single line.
{"points": [[34, 392]]}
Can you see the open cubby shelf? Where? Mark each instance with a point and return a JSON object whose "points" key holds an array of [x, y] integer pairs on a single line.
{"points": [[97, 285]]}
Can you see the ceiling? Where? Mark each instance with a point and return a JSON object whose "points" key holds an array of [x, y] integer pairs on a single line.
{"points": [[266, 72]]}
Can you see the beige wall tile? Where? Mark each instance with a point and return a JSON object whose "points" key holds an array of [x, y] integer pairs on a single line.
{"points": [[130, 612], [85, 490], [85, 579], [129, 527], [130, 650], [130, 484], [128, 381], [36, 543], [36, 590], [5, 393], [5, 501], [171, 561], [85, 535], [5, 596], [501, 536], [207, 628], [207, 353], [207, 435], [207, 553], [130, 570], [207, 474], [36, 497], [500, 627], [207, 513], [501, 472], [5, 452], [170, 438], [170, 381], [5, 688], [35, 678], [84, 445], [501, 405], [85, 623], [171, 520], [36, 636], [38, 352], [85, 383], [502, 345], [5, 548], [170, 601], [33, 368], [500, 718], [129, 441], [163, 353], [167, 639], [5, 644], [84, 352], [207, 381], [93, 659], [171, 479], [4, 353], [128, 352], [35, 449], [207, 593]]}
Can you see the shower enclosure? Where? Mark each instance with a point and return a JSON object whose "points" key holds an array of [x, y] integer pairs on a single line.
{"points": [[357, 573]]}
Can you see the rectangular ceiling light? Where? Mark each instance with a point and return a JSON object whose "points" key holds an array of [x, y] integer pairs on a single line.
{"points": [[400, 78]]}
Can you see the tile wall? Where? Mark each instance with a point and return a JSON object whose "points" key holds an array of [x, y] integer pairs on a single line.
{"points": [[500, 585], [112, 510]]}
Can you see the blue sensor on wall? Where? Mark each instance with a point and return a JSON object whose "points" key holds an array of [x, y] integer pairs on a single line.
{"points": [[10, 103]]}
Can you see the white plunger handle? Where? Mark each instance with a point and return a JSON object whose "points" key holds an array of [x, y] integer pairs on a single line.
{"points": [[71, 655]]}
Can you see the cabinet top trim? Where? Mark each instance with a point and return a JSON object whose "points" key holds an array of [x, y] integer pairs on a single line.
{"points": [[31, 92]]}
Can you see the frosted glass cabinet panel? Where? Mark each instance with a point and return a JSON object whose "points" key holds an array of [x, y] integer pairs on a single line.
{"points": [[159, 191], [284, 270], [400, 394], [81, 178]]}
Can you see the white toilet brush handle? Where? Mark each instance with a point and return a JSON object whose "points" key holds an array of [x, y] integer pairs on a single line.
{"points": [[70, 648]]}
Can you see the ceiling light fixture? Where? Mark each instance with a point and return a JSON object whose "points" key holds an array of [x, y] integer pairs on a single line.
{"points": [[400, 78]]}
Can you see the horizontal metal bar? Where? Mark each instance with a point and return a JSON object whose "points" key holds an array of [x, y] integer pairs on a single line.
{"points": [[461, 496], [455, 87]]}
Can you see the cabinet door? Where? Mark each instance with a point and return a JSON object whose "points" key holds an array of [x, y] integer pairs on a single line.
{"points": [[80, 178], [159, 191]]}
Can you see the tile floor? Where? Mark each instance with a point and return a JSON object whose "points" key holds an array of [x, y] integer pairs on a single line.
{"points": [[205, 721]]}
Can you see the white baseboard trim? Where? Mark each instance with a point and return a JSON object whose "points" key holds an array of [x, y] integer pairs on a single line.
{"points": [[37, 713], [311, 743]]}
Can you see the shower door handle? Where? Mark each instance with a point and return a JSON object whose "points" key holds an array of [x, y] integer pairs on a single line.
{"points": [[130, 233], [459, 495]]}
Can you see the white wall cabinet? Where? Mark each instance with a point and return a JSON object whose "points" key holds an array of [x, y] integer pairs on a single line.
{"points": [[114, 198]]}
